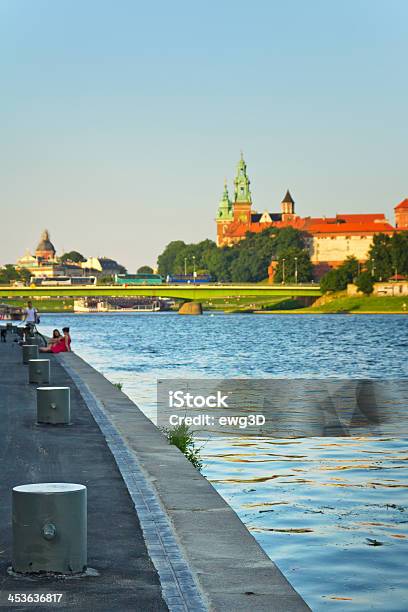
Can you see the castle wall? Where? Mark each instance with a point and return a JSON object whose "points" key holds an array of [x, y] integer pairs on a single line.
{"points": [[335, 249]]}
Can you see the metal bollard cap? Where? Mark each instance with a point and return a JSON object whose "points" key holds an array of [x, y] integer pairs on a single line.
{"points": [[49, 487]]}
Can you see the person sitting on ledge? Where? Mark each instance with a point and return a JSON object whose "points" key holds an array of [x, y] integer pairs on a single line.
{"points": [[62, 344], [56, 337]]}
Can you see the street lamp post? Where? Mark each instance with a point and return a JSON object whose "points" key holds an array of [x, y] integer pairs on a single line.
{"points": [[194, 269], [296, 270], [185, 266], [372, 267], [283, 270]]}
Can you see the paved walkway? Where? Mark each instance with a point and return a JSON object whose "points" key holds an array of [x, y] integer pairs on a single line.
{"points": [[29, 454], [148, 508]]}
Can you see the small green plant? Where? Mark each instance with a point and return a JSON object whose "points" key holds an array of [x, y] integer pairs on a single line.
{"points": [[182, 437], [118, 385]]}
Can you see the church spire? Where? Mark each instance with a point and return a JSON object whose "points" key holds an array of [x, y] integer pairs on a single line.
{"points": [[242, 182], [225, 205], [288, 204]]}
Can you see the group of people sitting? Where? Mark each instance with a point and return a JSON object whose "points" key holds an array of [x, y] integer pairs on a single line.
{"points": [[58, 343]]}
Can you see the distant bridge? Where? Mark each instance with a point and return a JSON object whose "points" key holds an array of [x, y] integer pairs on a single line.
{"points": [[189, 292]]}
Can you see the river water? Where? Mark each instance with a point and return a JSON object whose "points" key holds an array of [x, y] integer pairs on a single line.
{"points": [[331, 512]]}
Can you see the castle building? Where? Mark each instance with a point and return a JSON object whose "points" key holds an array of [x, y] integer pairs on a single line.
{"points": [[330, 240]]}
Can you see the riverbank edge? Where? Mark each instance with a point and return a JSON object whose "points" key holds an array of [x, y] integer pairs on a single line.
{"points": [[326, 312], [231, 569]]}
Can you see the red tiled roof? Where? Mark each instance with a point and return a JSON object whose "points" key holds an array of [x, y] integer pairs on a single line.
{"points": [[346, 228], [371, 223], [403, 204], [362, 218]]}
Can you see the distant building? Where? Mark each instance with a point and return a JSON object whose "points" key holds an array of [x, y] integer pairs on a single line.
{"points": [[330, 240], [102, 266], [45, 263], [397, 288], [401, 215]]}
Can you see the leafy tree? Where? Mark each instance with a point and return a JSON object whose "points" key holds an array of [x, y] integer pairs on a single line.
{"points": [[399, 253], [338, 279], [24, 275], [219, 263], [365, 282], [292, 259], [246, 261], [72, 256], [350, 268], [194, 256], [166, 260], [380, 258], [332, 281], [388, 255], [145, 270], [10, 274], [289, 237], [252, 256]]}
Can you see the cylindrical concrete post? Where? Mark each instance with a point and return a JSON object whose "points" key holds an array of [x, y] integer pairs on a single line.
{"points": [[53, 405], [49, 528], [35, 340], [30, 351], [39, 371]]}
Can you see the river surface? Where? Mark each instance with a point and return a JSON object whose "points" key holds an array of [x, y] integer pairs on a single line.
{"points": [[331, 512]]}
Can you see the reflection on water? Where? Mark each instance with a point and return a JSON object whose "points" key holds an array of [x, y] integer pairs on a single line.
{"points": [[334, 516], [332, 512]]}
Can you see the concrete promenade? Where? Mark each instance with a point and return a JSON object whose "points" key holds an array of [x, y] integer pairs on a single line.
{"points": [[160, 537]]}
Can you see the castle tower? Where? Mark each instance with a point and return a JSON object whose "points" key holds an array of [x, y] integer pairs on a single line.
{"points": [[288, 207], [401, 215], [224, 215], [45, 249], [242, 194], [225, 206]]}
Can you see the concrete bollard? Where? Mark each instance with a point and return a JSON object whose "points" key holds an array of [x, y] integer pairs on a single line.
{"points": [[53, 405], [39, 371], [49, 528], [30, 351], [35, 340]]}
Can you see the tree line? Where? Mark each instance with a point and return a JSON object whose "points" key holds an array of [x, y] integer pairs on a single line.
{"points": [[246, 261]]}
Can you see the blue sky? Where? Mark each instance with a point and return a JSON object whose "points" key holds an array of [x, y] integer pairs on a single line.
{"points": [[119, 120]]}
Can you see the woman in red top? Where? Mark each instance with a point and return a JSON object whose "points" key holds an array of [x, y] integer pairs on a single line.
{"points": [[62, 346]]}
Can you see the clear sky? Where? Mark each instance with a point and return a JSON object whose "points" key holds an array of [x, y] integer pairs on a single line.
{"points": [[120, 119]]}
